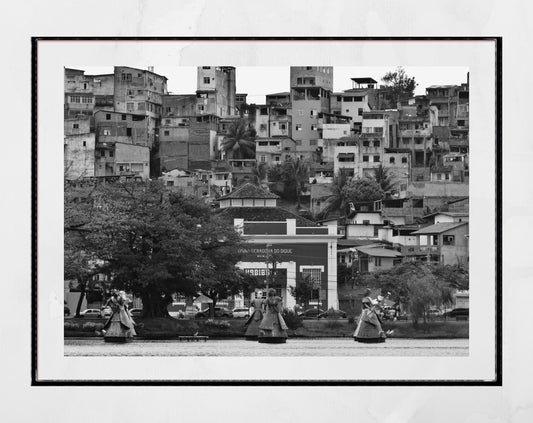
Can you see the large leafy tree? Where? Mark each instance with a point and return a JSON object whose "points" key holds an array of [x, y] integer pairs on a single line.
{"points": [[152, 242], [361, 190], [402, 85], [418, 286], [239, 142]]}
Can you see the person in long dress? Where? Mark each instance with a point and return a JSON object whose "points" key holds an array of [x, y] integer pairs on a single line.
{"points": [[120, 327], [273, 328], [369, 326], [256, 316]]}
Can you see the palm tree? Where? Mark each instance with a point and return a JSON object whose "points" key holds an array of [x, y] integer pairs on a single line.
{"points": [[335, 201], [297, 172], [260, 172], [239, 143], [383, 177]]}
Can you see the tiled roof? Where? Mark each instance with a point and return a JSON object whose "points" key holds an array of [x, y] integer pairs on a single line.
{"points": [[249, 190], [263, 214], [438, 228]]}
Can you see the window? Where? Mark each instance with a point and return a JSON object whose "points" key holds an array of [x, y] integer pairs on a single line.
{"points": [[167, 121], [102, 153], [376, 143], [283, 126], [206, 67], [130, 92], [406, 141], [263, 159], [124, 117], [75, 125], [206, 80], [378, 130], [376, 159], [85, 143], [366, 222], [314, 113], [392, 160], [313, 127], [166, 133], [360, 111], [404, 159], [108, 116], [308, 67], [106, 132], [365, 158], [277, 158], [377, 261], [366, 143], [129, 107], [298, 127], [140, 106], [170, 183], [111, 153], [128, 132], [418, 141]]}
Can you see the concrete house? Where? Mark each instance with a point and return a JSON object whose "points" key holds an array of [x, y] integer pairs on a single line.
{"points": [[444, 243]]}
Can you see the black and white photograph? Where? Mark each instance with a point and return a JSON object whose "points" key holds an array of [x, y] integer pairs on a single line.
{"points": [[205, 207], [209, 216]]}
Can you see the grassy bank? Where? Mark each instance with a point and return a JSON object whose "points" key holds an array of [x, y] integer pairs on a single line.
{"points": [[168, 328]]}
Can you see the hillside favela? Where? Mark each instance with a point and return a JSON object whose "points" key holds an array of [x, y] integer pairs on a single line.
{"points": [[313, 217]]}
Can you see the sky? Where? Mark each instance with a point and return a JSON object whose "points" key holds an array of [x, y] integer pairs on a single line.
{"points": [[257, 81]]}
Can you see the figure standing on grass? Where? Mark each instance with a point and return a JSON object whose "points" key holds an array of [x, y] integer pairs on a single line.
{"points": [[369, 328], [272, 328], [120, 326], [256, 316]]}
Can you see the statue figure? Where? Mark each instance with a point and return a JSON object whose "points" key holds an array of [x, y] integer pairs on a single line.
{"points": [[272, 328], [369, 328], [120, 325], [256, 316]]}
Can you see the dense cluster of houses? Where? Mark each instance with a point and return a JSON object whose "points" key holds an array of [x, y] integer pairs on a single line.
{"points": [[127, 125]]}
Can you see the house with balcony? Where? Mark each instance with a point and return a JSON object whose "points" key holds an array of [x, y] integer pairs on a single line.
{"points": [[443, 243], [281, 248], [274, 150], [121, 159]]}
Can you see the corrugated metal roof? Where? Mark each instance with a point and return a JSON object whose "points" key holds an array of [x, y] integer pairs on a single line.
{"points": [[438, 228], [379, 252]]}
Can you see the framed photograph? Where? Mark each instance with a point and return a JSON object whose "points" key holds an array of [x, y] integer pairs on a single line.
{"points": [[243, 211]]}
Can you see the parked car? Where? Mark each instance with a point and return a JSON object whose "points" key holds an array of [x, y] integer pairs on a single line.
{"points": [[136, 312], [219, 312], [458, 313], [239, 313], [311, 313], [91, 312], [332, 314]]}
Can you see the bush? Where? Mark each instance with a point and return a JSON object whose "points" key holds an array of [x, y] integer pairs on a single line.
{"points": [[70, 326], [221, 324], [351, 319], [91, 326], [292, 320]]}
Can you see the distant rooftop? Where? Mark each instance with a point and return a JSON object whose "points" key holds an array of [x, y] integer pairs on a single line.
{"points": [[438, 228], [247, 191], [364, 80]]}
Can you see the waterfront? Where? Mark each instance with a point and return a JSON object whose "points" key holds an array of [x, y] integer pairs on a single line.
{"points": [[298, 347]]}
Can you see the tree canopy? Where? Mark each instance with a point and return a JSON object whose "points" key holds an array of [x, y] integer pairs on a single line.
{"points": [[418, 286], [402, 85], [361, 190], [151, 241]]}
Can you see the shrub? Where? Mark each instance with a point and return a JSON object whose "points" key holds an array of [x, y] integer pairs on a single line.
{"points": [[221, 324], [292, 320], [69, 326], [351, 319]]}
